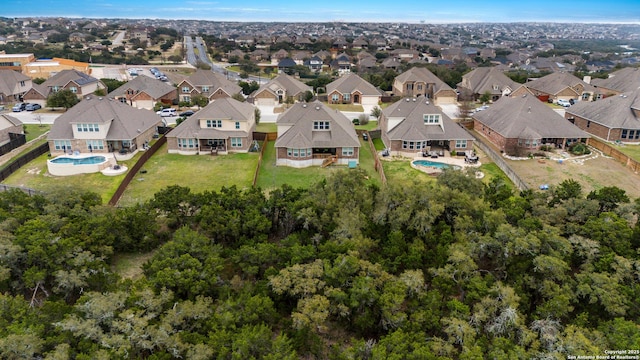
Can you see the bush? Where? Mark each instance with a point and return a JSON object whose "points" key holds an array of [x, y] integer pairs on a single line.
{"points": [[355, 122], [579, 149], [453, 153], [363, 119]]}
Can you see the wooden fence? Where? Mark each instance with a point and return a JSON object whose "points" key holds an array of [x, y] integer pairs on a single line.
{"points": [[15, 141], [23, 160], [264, 146], [609, 150], [136, 167], [377, 164], [499, 161]]}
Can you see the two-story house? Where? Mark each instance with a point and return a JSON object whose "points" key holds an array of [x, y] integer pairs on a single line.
{"points": [[75, 81], [312, 134], [419, 81], [223, 126], [208, 84], [144, 92], [280, 89], [13, 86], [101, 125]]}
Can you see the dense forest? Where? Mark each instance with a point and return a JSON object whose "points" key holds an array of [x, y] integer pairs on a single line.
{"points": [[455, 269]]}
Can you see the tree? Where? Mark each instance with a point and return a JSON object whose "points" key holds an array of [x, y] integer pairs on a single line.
{"points": [[112, 84], [485, 97], [376, 112], [175, 59], [257, 113], [609, 197], [63, 98], [199, 100]]}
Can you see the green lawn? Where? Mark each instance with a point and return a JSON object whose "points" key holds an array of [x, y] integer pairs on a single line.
{"points": [[198, 172], [34, 175], [370, 126], [347, 107], [491, 170], [400, 171], [32, 131], [267, 127], [272, 176], [632, 151]]}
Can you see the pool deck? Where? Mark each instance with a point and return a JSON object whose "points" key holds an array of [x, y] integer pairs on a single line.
{"points": [[447, 159]]}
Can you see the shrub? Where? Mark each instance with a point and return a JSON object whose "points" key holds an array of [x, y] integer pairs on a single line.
{"points": [[363, 119], [579, 149], [355, 122]]}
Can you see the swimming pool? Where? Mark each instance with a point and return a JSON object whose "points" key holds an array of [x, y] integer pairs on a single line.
{"points": [[433, 164], [78, 164], [89, 160]]}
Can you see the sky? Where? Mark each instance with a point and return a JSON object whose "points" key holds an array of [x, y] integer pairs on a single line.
{"points": [[408, 11]]}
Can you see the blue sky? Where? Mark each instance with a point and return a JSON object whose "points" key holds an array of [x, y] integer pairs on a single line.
{"points": [[429, 11]]}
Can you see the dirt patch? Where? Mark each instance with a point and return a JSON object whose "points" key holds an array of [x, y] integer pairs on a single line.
{"points": [[593, 172]]}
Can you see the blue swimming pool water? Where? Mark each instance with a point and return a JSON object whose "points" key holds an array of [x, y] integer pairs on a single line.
{"points": [[434, 164], [90, 160]]}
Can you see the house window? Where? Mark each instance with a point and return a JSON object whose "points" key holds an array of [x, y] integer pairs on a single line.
{"points": [[624, 134], [236, 142], [73, 89], [186, 89], [205, 89], [186, 98], [420, 87], [237, 124], [588, 123], [431, 118], [347, 151], [346, 97], [22, 83], [87, 127], [461, 144], [55, 89], [95, 144], [320, 125], [187, 143], [214, 123], [335, 97], [414, 145], [291, 152], [63, 145]]}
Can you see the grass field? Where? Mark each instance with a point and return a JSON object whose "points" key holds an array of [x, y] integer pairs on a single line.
{"points": [[369, 126], [633, 151], [198, 172], [267, 127], [399, 171], [347, 107], [32, 131]]}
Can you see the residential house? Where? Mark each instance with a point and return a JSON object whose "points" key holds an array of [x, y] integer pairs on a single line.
{"points": [[75, 81], [487, 80], [208, 84], [144, 92], [286, 66], [259, 55], [13, 86], [391, 63], [557, 86], [412, 126], [341, 64], [279, 56], [352, 89], [312, 134], [360, 43], [624, 80], [283, 88], [300, 56], [101, 125], [518, 125], [314, 64], [419, 81], [10, 126], [615, 118], [223, 126], [404, 54]]}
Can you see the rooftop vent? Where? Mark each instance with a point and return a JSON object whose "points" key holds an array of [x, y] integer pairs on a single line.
{"points": [[407, 100], [427, 102], [529, 110], [304, 105], [414, 99], [317, 107]]}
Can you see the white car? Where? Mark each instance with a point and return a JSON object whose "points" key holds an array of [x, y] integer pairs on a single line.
{"points": [[564, 103], [167, 112]]}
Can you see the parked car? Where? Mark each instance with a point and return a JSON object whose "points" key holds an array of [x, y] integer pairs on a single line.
{"points": [[564, 103], [32, 107], [167, 112], [187, 113], [19, 107]]}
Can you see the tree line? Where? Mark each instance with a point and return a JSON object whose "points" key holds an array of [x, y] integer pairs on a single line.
{"points": [[343, 270]]}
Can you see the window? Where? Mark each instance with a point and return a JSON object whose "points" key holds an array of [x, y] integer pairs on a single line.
{"points": [[461, 144], [624, 134], [298, 152], [205, 89], [55, 89], [419, 86], [414, 145], [187, 143], [431, 118], [73, 89], [214, 123], [588, 123], [320, 125], [22, 83], [237, 124], [236, 142], [63, 145], [87, 127], [335, 97], [95, 144], [346, 97], [186, 89], [347, 151]]}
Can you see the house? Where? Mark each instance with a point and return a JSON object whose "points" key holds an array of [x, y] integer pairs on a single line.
{"points": [[9, 126], [419, 81], [224, 125], [75, 81], [286, 66], [412, 126], [620, 81], [341, 64], [312, 134], [559, 86], [615, 118], [208, 84], [352, 89], [101, 125], [144, 92], [404, 54], [391, 63], [13, 86], [279, 56], [314, 64], [283, 88], [518, 125], [487, 80]]}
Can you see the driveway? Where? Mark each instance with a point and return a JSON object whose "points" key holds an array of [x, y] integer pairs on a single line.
{"points": [[451, 110], [30, 117]]}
